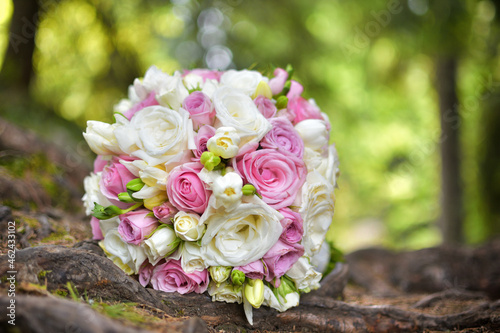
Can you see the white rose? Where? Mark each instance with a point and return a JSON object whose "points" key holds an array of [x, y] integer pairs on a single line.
{"points": [[317, 211], [101, 138], [227, 190], [93, 193], [329, 167], [240, 236], [225, 292], [245, 80], [235, 109], [130, 256], [109, 224], [162, 243], [313, 159], [314, 132], [188, 227], [191, 259], [322, 258], [157, 134], [170, 90], [281, 304], [304, 275], [225, 142]]}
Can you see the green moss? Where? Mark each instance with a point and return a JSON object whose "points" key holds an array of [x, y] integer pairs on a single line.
{"points": [[127, 311], [42, 274], [39, 169], [60, 292]]}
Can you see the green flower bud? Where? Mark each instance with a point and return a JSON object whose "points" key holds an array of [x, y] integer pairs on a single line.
{"points": [[209, 160], [135, 185], [289, 69], [220, 274], [104, 213], [125, 197], [281, 102], [248, 189], [238, 277], [254, 292]]}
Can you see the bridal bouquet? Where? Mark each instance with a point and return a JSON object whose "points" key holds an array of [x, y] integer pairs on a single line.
{"points": [[215, 181]]}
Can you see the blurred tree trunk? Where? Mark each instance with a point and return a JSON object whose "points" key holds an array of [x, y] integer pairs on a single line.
{"points": [[451, 183], [489, 165], [17, 69]]}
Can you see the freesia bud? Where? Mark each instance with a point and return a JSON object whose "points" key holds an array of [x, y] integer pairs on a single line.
{"points": [[248, 189], [254, 292], [281, 102], [125, 197], [104, 213], [135, 185], [263, 89], [220, 273], [209, 160], [238, 277]]}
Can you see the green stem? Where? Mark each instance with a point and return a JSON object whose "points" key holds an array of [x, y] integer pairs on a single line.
{"points": [[137, 205]]}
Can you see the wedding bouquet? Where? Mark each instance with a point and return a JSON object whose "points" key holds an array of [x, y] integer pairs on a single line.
{"points": [[215, 181]]}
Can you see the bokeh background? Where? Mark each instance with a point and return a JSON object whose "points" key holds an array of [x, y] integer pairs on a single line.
{"points": [[412, 88]]}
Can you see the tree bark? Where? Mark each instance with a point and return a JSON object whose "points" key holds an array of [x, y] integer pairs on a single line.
{"points": [[17, 69], [93, 274], [452, 212]]}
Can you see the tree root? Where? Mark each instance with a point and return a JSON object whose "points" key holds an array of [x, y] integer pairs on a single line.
{"points": [[93, 274]]}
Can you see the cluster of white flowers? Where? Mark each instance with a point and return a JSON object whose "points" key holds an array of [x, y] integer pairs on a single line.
{"points": [[215, 181]]}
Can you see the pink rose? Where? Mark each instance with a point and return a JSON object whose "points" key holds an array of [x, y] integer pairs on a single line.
{"points": [[280, 258], [296, 90], [185, 189], [114, 179], [96, 229], [303, 110], [136, 225], [265, 106], [277, 176], [206, 74], [99, 163], [284, 137], [253, 270], [292, 224], [200, 109], [200, 139], [278, 81], [170, 277], [148, 101], [165, 212], [145, 273]]}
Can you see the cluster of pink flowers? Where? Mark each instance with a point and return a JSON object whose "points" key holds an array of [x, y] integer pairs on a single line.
{"points": [[218, 181]]}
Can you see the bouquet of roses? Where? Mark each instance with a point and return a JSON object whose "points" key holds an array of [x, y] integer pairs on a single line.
{"points": [[215, 181]]}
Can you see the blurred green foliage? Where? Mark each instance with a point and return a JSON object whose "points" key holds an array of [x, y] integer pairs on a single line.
{"points": [[368, 64]]}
